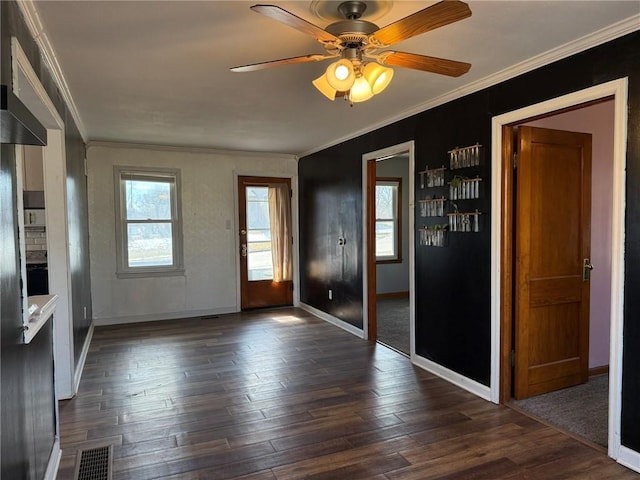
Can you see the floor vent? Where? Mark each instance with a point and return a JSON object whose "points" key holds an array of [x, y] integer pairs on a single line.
{"points": [[209, 317], [94, 464]]}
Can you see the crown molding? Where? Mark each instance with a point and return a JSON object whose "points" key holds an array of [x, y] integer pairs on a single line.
{"points": [[581, 44], [187, 149], [36, 28]]}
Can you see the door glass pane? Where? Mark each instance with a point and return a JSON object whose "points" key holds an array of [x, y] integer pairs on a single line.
{"points": [[259, 260], [149, 244], [148, 200]]}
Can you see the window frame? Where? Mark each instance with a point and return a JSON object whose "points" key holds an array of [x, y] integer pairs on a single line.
{"points": [[165, 175], [395, 182]]}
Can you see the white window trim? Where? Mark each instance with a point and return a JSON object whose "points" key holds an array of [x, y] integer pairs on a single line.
{"points": [[396, 257], [122, 268]]}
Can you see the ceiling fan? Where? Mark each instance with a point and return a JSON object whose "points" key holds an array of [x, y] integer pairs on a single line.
{"points": [[362, 69]]}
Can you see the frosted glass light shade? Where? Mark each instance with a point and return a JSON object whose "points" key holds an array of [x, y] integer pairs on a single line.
{"points": [[340, 75], [360, 91], [323, 86], [377, 76]]}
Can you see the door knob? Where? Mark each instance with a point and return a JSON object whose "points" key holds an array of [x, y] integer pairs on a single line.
{"points": [[586, 269]]}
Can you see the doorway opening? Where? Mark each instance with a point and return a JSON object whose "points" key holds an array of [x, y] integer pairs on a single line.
{"points": [[389, 247], [32, 93], [266, 242], [611, 258]]}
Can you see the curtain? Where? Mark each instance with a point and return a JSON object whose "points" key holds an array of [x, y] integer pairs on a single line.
{"points": [[280, 220]]}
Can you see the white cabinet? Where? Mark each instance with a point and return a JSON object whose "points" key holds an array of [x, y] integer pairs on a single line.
{"points": [[35, 217]]}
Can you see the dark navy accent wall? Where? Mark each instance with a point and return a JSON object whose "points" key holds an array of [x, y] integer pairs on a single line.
{"points": [[78, 225], [27, 410], [330, 184], [78, 230], [12, 363], [453, 284]]}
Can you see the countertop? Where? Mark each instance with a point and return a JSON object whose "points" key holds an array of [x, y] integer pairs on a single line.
{"points": [[41, 308], [36, 262]]}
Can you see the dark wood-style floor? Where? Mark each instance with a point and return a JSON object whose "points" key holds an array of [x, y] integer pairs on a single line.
{"points": [[283, 395]]}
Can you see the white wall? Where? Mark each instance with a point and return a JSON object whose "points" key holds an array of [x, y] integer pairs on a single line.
{"points": [[394, 277], [597, 120], [209, 285]]}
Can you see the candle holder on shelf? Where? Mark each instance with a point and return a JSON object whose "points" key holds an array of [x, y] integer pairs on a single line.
{"points": [[463, 188], [433, 235], [465, 157], [464, 221], [432, 207], [432, 178]]}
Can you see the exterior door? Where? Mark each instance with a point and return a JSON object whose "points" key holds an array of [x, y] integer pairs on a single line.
{"points": [[552, 248], [265, 242]]}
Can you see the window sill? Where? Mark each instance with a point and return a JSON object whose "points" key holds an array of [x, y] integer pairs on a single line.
{"points": [[390, 260], [152, 273]]}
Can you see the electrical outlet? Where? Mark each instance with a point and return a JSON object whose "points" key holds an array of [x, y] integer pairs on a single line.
{"points": [[330, 294]]}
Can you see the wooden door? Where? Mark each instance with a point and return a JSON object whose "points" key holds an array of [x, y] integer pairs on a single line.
{"points": [[258, 286], [553, 211]]}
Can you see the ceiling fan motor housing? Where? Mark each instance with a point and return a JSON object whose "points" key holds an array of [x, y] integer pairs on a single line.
{"points": [[352, 31], [345, 27]]}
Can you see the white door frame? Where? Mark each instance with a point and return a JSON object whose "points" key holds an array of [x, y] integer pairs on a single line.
{"points": [[618, 90], [380, 155]]}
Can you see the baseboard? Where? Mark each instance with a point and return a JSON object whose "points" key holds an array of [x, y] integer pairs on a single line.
{"points": [[390, 295], [152, 317], [629, 458], [54, 461], [598, 370], [333, 320], [77, 375], [461, 381]]}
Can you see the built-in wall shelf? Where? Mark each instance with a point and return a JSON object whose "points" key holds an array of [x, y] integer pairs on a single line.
{"points": [[41, 308]]}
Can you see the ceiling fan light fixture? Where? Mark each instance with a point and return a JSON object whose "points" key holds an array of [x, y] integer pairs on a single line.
{"points": [[378, 76], [352, 38], [341, 75], [360, 91], [323, 87]]}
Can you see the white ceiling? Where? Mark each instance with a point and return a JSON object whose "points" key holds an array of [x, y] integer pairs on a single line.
{"points": [[157, 72]]}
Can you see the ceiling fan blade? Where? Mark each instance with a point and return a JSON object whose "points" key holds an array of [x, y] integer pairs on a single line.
{"points": [[430, 18], [300, 24], [442, 66], [284, 61]]}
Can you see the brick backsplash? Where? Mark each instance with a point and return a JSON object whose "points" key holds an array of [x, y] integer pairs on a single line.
{"points": [[35, 238]]}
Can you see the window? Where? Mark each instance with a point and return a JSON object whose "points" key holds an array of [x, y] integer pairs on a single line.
{"points": [[259, 258], [388, 220], [148, 226]]}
